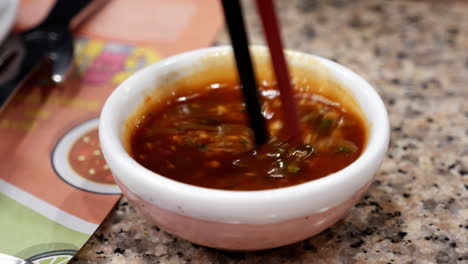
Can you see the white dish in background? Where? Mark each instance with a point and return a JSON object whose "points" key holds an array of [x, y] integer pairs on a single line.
{"points": [[8, 10], [63, 165]]}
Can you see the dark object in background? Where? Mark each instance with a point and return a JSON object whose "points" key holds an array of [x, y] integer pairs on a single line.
{"points": [[21, 55]]}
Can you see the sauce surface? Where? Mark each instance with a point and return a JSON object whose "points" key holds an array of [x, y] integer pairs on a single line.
{"points": [[205, 140]]}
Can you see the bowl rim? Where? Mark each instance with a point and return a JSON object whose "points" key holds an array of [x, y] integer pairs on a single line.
{"points": [[186, 197]]}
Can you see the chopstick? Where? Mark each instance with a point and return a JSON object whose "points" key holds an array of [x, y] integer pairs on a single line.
{"points": [[235, 22], [267, 13]]}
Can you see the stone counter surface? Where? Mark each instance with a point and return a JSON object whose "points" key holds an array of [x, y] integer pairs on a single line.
{"points": [[416, 54]]}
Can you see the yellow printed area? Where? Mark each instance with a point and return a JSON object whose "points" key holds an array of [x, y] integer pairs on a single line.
{"points": [[134, 62], [93, 48], [43, 114], [76, 103], [29, 113], [23, 119], [18, 125], [86, 52]]}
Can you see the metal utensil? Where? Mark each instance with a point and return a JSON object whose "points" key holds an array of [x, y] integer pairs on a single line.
{"points": [[22, 54], [7, 259]]}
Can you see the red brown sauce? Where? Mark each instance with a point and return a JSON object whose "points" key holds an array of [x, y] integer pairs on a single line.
{"points": [[205, 140]]}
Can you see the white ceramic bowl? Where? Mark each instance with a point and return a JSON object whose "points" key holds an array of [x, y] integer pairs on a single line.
{"points": [[240, 220]]}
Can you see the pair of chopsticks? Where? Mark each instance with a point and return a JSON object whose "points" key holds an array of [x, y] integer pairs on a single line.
{"points": [[236, 27]]}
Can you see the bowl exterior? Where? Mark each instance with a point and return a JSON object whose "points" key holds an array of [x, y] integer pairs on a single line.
{"points": [[241, 237]]}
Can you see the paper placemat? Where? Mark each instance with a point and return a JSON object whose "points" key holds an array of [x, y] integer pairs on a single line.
{"points": [[55, 188]]}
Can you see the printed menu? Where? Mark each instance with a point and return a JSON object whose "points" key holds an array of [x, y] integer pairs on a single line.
{"points": [[55, 187]]}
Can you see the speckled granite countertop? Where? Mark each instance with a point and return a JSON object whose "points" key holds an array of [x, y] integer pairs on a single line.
{"points": [[416, 54]]}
